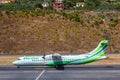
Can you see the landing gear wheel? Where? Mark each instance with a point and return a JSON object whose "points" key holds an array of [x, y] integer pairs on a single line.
{"points": [[59, 67], [18, 66]]}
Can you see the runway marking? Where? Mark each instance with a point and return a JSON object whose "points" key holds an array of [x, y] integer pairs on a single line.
{"points": [[39, 68], [55, 71], [88, 71], [40, 74], [18, 72], [30, 71]]}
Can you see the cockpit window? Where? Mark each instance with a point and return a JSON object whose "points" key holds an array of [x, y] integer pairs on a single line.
{"points": [[18, 59]]}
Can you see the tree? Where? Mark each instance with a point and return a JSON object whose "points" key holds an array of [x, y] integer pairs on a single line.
{"points": [[38, 5], [117, 6], [93, 4], [70, 3]]}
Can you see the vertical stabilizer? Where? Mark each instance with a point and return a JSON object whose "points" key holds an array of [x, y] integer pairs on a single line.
{"points": [[100, 49]]}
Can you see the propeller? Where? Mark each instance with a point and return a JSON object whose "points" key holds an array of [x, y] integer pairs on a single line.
{"points": [[43, 56]]}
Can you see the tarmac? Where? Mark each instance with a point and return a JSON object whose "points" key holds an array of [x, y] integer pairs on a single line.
{"points": [[69, 73]]}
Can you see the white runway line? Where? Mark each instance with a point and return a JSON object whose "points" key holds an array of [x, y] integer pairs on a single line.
{"points": [[40, 74], [18, 72]]}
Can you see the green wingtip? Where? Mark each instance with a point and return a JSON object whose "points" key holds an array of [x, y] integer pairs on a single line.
{"points": [[105, 41]]}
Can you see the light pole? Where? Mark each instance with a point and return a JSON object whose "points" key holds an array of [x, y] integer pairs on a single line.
{"points": [[107, 34]]}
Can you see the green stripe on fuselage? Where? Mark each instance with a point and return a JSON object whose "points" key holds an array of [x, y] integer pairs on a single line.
{"points": [[88, 59]]}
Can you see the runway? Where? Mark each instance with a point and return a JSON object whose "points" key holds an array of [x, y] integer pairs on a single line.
{"points": [[69, 73]]}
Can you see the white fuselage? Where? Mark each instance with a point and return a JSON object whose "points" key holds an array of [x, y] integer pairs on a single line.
{"points": [[40, 61]]}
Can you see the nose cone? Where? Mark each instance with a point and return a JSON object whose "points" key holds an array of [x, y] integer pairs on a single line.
{"points": [[15, 63]]}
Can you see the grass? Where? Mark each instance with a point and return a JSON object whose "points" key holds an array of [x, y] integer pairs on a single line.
{"points": [[114, 59], [7, 60]]}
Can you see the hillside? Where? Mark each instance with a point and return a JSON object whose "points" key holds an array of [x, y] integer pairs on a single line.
{"points": [[32, 32]]}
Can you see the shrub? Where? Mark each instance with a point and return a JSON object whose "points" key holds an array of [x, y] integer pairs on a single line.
{"points": [[117, 6], [38, 5], [0, 14]]}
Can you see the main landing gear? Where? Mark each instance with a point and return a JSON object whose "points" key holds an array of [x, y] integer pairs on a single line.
{"points": [[18, 66], [59, 67]]}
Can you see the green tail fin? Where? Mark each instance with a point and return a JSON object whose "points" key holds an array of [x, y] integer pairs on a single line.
{"points": [[101, 48]]}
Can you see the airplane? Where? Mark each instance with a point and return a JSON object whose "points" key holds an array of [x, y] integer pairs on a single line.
{"points": [[58, 61]]}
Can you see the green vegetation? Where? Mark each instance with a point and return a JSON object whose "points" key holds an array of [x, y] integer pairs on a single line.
{"points": [[21, 5], [102, 5], [95, 5]]}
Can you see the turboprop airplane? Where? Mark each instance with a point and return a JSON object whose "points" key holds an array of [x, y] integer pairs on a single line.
{"points": [[57, 60]]}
